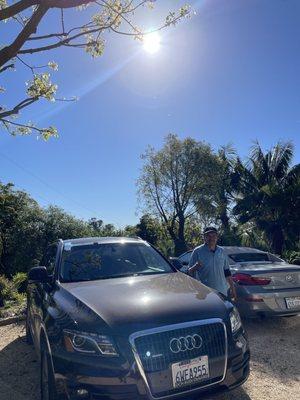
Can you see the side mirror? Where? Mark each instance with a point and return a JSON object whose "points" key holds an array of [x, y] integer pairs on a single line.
{"points": [[38, 275], [176, 263]]}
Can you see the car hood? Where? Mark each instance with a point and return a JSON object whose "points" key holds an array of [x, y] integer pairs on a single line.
{"points": [[142, 302]]}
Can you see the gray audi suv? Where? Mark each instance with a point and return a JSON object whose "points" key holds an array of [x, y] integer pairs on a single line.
{"points": [[111, 317]]}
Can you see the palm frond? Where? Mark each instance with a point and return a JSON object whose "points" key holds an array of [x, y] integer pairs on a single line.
{"points": [[259, 163], [282, 155]]}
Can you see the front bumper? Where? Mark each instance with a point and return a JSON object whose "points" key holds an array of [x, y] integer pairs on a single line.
{"points": [[123, 380], [268, 303]]}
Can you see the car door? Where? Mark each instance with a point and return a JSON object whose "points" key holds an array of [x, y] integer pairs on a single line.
{"points": [[185, 258], [39, 293]]}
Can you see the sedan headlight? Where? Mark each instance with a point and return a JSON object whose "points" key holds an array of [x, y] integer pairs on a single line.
{"points": [[235, 320], [89, 343]]}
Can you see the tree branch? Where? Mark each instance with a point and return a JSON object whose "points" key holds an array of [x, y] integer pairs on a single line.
{"points": [[11, 51], [60, 43], [6, 122], [18, 107], [16, 8], [7, 67]]}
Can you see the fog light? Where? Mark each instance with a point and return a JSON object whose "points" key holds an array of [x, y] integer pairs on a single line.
{"points": [[241, 343]]}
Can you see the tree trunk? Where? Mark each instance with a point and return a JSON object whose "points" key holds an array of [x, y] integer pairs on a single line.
{"points": [[179, 246], [277, 240], [224, 221], [178, 239]]}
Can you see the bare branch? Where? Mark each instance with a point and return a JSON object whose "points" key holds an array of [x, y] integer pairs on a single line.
{"points": [[60, 43], [6, 122], [11, 51], [63, 34], [7, 67], [25, 103], [14, 9]]}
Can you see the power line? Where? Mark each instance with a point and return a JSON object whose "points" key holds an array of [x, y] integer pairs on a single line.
{"points": [[26, 170]]}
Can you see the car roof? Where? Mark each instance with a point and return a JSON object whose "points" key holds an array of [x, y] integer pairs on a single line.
{"points": [[234, 250], [101, 240], [238, 249]]}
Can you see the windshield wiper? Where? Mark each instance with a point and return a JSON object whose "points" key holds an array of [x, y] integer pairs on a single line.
{"points": [[119, 276]]}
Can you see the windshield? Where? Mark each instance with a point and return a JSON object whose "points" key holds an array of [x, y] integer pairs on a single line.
{"points": [[250, 257], [104, 261]]}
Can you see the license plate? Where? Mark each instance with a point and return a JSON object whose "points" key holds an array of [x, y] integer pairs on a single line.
{"points": [[190, 371], [292, 302]]}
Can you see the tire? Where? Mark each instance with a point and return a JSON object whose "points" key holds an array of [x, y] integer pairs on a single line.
{"points": [[48, 389], [29, 339]]}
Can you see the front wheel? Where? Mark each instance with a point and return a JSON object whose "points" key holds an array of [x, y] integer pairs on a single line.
{"points": [[48, 390], [29, 338]]}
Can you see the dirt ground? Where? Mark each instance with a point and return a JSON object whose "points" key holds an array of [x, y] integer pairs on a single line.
{"points": [[275, 363]]}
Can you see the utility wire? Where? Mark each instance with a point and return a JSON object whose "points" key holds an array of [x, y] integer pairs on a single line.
{"points": [[26, 170]]}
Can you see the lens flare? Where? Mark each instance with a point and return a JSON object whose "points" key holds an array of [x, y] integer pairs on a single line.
{"points": [[152, 43]]}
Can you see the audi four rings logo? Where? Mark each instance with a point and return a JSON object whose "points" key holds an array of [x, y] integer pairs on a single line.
{"points": [[189, 342]]}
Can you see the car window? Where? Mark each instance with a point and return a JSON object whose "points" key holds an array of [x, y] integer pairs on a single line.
{"points": [[49, 259], [249, 257], [185, 258], [103, 261], [275, 259]]}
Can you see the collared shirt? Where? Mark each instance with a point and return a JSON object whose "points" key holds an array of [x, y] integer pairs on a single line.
{"points": [[214, 269]]}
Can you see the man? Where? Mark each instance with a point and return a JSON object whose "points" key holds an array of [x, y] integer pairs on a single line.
{"points": [[209, 264]]}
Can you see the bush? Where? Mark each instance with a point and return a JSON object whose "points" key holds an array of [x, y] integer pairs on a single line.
{"points": [[293, 257], [19, 281], [12, 292], [6, 290]]}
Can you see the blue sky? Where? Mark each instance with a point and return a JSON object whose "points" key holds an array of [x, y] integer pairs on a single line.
{"points": [[230, 74]]}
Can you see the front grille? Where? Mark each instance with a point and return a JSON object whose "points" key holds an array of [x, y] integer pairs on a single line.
{"points": [[156, 357], [158, 345]]}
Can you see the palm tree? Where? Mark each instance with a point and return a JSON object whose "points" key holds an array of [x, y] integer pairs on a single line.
{"points": [[267, 192]]}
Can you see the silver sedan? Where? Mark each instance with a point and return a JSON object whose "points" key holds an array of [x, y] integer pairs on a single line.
{"points": [[266, 285]]}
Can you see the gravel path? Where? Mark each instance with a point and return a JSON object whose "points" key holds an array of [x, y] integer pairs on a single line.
{"points": [[275, 363]]}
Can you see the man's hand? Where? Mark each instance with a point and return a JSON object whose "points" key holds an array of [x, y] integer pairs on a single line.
{"points": [[194, 268], [232, 289], [233, 296]]}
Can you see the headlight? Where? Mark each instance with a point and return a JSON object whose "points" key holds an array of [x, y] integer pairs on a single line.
{"points": [[89, 343], [235, 320]]}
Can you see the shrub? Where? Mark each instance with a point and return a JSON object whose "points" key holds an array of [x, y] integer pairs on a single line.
{"points": [[295, 257], [12, 292], [6, 290], [19, 281]]}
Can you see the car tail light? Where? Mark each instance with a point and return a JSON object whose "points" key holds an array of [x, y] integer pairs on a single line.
{"points": [[245, 279]]}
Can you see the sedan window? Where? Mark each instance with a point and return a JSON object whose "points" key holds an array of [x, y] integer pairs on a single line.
{"points": [[185, 258], [250, 257]]}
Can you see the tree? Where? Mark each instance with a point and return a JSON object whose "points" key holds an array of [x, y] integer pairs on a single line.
{"points": [[170, 180], [21, 221], [25, 18], [26, 229], [268, 194], [148, 229]]}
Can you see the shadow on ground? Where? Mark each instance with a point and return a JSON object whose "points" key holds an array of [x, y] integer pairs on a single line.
{"points": [[19, 371]]}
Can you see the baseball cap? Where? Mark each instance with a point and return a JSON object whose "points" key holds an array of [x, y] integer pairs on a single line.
{"points": [[210, 229]]}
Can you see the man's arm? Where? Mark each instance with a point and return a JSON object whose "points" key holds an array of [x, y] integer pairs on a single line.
{"points": [[229, 279], [194, 264], [232, 288]]}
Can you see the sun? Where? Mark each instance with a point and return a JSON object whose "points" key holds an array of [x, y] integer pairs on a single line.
{"points": [[152, 42]]}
